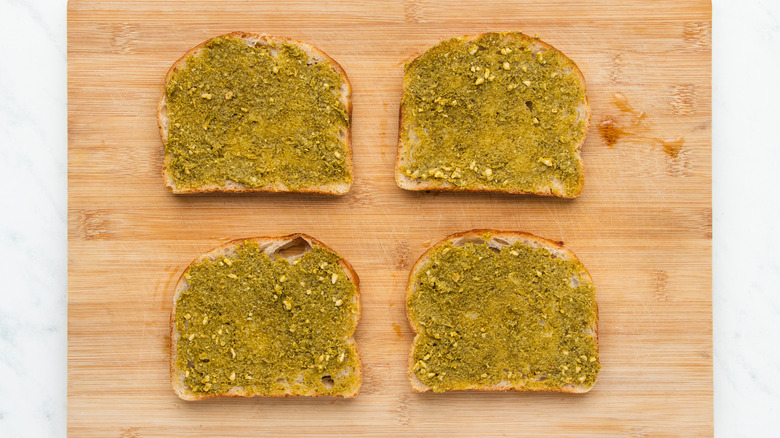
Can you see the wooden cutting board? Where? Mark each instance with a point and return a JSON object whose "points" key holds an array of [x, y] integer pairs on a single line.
{"points": [[642, 226]]}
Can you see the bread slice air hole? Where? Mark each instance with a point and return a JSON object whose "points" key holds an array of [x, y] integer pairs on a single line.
{"points": [[470, 239], [296, 248], [328, 382]]}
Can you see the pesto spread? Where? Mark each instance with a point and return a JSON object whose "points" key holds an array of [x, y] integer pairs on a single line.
{"points": [[258, 116], [494, 113], [267, 325], [515, 316]]}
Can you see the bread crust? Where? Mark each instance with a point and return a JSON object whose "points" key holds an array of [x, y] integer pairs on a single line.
{"points": [[406, 183], [274, 243], [233, 187], [509, 237]]}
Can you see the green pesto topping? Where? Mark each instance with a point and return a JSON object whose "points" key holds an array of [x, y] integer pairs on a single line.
{"points": [[268, 325], [494, 113], [245, 114], [516, 316]]}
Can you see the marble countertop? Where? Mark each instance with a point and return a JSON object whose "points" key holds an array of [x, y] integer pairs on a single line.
{"points": [[746, 247]]}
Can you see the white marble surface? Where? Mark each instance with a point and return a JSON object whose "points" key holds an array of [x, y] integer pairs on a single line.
{"points": [[33, 193], [33, 216], [746, 217]]}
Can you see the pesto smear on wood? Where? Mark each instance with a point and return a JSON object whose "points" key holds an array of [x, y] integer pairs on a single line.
{"points": [[513, 316], [494, 113], [258, 116], [267, 325]]}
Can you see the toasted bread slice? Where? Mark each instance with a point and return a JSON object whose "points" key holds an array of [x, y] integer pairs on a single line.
{"points": [[499, 311], [496, 112], [269, 316], [246, 112]]}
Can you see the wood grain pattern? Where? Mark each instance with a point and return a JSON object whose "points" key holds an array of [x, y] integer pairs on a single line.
{"points": [[642, 225]]}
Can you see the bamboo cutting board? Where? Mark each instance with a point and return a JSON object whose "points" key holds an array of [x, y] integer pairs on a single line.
{"points": [[642, 225]]}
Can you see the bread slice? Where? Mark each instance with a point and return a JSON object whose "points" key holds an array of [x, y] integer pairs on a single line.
{"points": [[499, 311], [268, 316], [495, 112], [254, 120]]}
